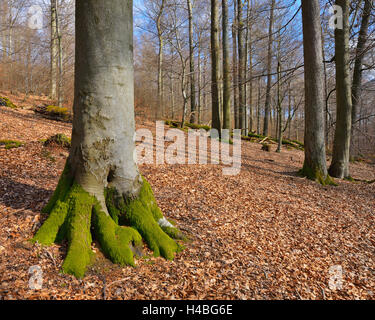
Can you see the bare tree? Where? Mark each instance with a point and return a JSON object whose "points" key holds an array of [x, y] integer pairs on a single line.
{"points": [[101, 180], [314, 166], [341, 145]]}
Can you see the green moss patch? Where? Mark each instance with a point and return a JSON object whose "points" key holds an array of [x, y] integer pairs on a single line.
{"points": [[10, 144], [59, 139], [5, 102], [54, 113], [316, 175], [75, 215], [187, 125]]}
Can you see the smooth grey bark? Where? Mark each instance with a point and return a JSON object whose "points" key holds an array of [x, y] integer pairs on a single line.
{"points": [[103, 122], [226, 75], [269, 67], [200, 102], [235, 67], [357, 73], [193, 111], [315, 153], [250, 51], [326, 114], [241, 66], [290, 117], [279, 109], [183, 74], [160, 108], [54, 52], [57, 52], [258, 106], [215, 65], [341, 145]]}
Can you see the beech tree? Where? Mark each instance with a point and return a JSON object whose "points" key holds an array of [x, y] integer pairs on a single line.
{"points": [[216, 123], [269, 67], [101, 188], [314, 166], [226, 74], [341, 145]]}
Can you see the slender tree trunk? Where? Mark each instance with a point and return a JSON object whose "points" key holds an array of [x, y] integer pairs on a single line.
{"points": [[258, 107], [357, 73], [199, 85], [101, 186], [215, 65], [172, 96], [326, 114], [54, 51], [60, 96], [226, 75], [193, 115], [269, 68], [241, 66], [279, 109], [235, 67], [289, 111], [341, 146], [251, 103], [159, 112], [315, 154]]}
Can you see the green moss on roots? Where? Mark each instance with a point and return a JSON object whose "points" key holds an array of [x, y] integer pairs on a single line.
{"points": [[143, 214], [113, 237], [316, 175], [73, 213]]}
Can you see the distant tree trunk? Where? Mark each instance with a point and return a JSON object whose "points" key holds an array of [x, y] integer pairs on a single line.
{"points": [[290, 118], [258, 107], [60, 96], [357, 73], [193, 110], [341, 146], [251, 103], [215, 65], [172, 96], [279, 109], [226, 75], [54, 51], [199, 109], [159, 112], [241, 67], [235, 67], [315, 166], [326, 114], [269, 68]]}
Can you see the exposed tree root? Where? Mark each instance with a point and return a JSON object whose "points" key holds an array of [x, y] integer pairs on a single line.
{"points": [[73, 212]]}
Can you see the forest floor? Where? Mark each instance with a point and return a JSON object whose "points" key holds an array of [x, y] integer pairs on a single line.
{"points": [[263, 234]]}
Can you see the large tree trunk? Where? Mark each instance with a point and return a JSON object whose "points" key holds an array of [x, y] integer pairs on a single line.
{"points": [[226, 75], [341, 146], [269, 68], [315, 166], [101, 182], [215, 65], [357, 73]]}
